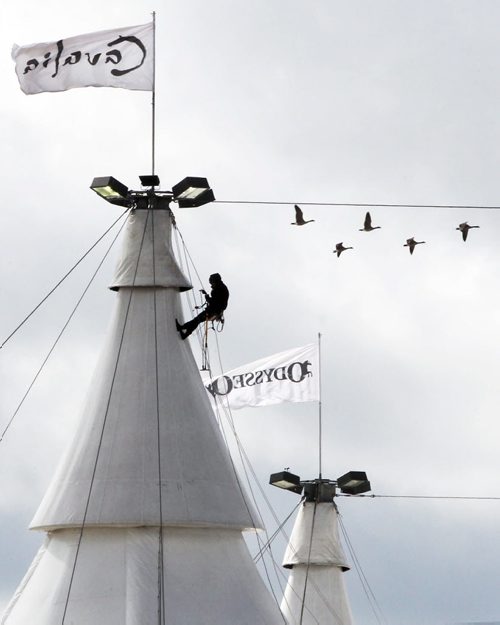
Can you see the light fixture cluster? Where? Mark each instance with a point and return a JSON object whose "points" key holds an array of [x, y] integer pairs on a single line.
{"points": [[188, 193], [351, 483]]}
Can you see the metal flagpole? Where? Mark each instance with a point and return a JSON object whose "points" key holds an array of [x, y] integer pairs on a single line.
{"points": [[320, 423], [153, 108]]}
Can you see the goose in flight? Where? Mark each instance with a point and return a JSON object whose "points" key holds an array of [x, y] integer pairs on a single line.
{"points": [[367, 226], [464, 229], [410, 243], [299, 217], [339, 248]]}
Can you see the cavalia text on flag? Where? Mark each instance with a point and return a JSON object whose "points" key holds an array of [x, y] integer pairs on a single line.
{"points": [[122, 57], [290, 376]]}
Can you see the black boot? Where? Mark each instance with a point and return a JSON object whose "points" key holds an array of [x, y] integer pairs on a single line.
{"points": [[183, 330]]}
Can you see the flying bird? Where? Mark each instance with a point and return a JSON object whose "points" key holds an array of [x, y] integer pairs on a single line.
{"points": [[367, 226], [410, 243], [299, 218], [339, 248], [464, 229]]}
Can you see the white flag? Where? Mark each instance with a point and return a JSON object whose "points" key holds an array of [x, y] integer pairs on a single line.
{"points": [[291, 376], [122, 57]]}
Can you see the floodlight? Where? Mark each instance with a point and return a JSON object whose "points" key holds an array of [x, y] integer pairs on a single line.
{"points": [[286, 480], [192, 192], [111, 190], [354, 483], [150, 181]]}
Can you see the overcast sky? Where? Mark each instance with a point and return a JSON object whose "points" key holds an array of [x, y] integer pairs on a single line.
{"points": [[319, 101]]}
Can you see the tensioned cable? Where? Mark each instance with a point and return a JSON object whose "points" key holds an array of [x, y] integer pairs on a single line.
{"points": [[189, 261], [292, 589], [308, 563], [277, 570], [62, 279], [465, 497], [260, 553], [231, 422], [366, 586], [320, 593], [238, 481], [189, 255], [360, 204], [248, 508], [59, 336], [280, 573], [372, 600], [326, 602], [161, 562], [230, 419], [181, 261], [252, 471], [245, 461], [94, 471]]}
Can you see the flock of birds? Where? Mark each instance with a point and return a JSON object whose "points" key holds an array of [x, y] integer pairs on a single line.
{"points": [[368, 227]]}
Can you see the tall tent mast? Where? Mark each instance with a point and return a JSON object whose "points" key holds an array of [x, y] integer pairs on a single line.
{"points": [[315, 591]]}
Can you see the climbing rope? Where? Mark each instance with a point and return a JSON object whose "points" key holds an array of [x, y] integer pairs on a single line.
{"points": [[372, 600], [59, 336], [68, 273], [248, 471]]}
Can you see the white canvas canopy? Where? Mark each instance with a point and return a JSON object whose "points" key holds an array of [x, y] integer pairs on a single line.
{"points": [[199, 485], [315, 592], [147, 435], [208, 578]]}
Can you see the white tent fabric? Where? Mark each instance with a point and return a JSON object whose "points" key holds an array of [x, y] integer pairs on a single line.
{"points": [[147, 428], [315, 591], [199, 486], [325, 547], [326, 601], [209, 577], [144, 231], [120, 420]]}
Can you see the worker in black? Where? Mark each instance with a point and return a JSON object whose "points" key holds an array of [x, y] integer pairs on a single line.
{"points": [[216, 305]]}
